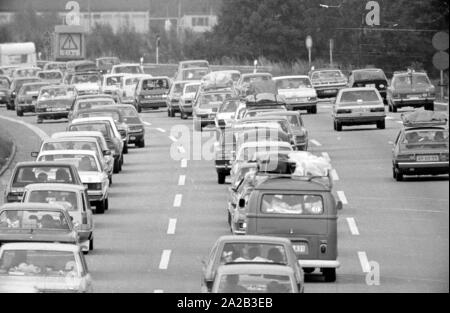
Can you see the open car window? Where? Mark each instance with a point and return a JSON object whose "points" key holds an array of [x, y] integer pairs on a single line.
{"points": [[292, 204], [42, 174], [36, 219], [67, 199], [248, 252]]}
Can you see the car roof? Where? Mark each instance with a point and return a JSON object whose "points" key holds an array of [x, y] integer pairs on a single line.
{"points": [[255, 74], [127, 64], [291, 76], [76, 134], [32, 207], [264, 143], [254, 239], [281, 113], [368, 70], [61, 139], [156, 77], [283, 183], [53, 152], [258, 119], [58, 187], [41, 246], [195, 68], [43, 164], [253, 268], [92, 119], [358, 89], [43, 83]]}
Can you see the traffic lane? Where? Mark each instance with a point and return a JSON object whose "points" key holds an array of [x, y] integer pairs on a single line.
{"points": [[366, 172], [49, 127]]}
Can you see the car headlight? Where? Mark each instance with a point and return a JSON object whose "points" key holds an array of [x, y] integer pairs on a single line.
{"points": [[312, 98], [406, 157]]}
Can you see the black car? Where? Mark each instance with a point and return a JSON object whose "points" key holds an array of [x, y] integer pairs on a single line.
{"points": [[370, 77]]}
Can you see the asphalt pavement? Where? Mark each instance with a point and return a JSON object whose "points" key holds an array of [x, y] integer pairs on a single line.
{"points": [[166, 213]]}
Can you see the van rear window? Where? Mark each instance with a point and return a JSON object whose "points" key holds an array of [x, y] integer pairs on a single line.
{"points": [[292, 204]]}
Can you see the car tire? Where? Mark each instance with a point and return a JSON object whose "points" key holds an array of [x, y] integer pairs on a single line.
{"points": [[398, 175], [429, 107], [313, 110], [39, 121], [221, 178], [19, 112], [138, 108], [141, 143], [116, 166], [106, 204], [338, 126], [394, 108], [120, 164], [110, 180], [381, 125], [329, 274], [91, 244], [125, 148], [100, 207]]}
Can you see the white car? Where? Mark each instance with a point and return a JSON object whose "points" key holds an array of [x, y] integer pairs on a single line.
{"points": [[86, 83], [298, 92], [226, 114], [128, 87], [187, 98], [111, 84], [92, 173]]}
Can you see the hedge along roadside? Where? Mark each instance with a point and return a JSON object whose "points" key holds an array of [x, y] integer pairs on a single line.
{"points": [[10, 149]]}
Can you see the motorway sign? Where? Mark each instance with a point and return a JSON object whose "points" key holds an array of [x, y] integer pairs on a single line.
{"points": [[440, 60], [440, 41], [70, 45], [70, 42]]}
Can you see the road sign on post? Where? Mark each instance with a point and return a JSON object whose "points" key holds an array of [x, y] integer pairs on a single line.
{"points": [[69, 43], [309, 44], [440, 59]]}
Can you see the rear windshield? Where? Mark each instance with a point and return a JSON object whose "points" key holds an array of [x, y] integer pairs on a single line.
{"points": [[86, 78], [213, 100], [113, 81], [50, 75], [55, 66], [4, 82], [292, 204], [42, 219], [196, 64], [411, 81], [370, 75], [90, 104], [427, 138], [248, 154], [38, 263], [359, 96], [253, 79], [56, 93], [253, 252], [42, 174], [152, 84], [327, 75], [92, 127], [27, 72], [84, 163], [70, 145], [114, 115], [293, 83], [30, 89], [255, 283], [67, 199], [194, 74], [130, 69]]}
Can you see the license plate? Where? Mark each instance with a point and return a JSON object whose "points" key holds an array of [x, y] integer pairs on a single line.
{"points": [[300, 248], [132, 138], [427, 158], [371, 85]]}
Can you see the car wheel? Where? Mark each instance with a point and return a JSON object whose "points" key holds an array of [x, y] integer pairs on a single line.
{"points": [[110, 180], [381, 125], [168, 112], [106, 204], [221, 178], [39, 121], [229, 218], [139, 108], [313, 110], [329, 274], [429, 107], [100, 207], [125, 148], [91, 244], [120, 164], [338, 126], [19, 112], [116, 166], [398, 175], [394, 108]]}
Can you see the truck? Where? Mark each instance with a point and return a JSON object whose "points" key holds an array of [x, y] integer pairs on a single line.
{"points": [[20, 54]]}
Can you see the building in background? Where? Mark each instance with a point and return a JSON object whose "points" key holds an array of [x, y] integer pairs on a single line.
{"points": [[140, 15]]}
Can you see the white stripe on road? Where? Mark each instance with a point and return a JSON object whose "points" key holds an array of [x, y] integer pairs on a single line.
{"points": [[315, 142], [183, 163], [342, 197], [334, 175], [39, 132], [173, 138], [172, 226], [161, 130], [182, 180], [147, 123], [177, 200], [165, 258], [326, 156], [158, 291], [352, 225], [364, 262]]}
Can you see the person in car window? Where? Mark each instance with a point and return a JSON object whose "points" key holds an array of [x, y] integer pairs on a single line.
{"points": [[42, 178], [232, 285]]}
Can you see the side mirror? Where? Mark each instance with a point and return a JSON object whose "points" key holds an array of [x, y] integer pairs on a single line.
{"points": [[107, 152], [241, 203], [339, 206], [34, 154]]}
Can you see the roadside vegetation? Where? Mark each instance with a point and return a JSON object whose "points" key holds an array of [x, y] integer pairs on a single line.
{"points": [[5, 150]]}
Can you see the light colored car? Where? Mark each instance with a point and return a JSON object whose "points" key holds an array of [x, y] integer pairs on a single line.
{"points": [[72, 198], [25, 72], [127, 68], [51, 76], [128, 87], [327, 82], [92, 173], [91, 103], [86, 83], [62, 66], [298, 92], [173, 98], [55, 102], [226, 113], [43, 267], [359, 106], [111, 85], [27, 97], [187, 98]]}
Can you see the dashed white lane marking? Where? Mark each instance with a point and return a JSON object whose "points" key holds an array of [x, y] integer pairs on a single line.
{"points": [[172, 226], [173, 138], [352, 225], [158, 291], [334, 175], [326, 156], [315, 142], [182, 180], [183, 163], [165, 259], [177, 200], [181, 149], [161, 130], [342, 197], [364, 262], [39, 132], [147, 123]]}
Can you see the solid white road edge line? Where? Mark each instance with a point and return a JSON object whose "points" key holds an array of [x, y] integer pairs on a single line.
{"points": [[182, 180], [334, 175], [158, 291], [342, 197], [172, 226], [39, 132], [147, 123], [352, 225], [165, 258], [177, 200], [161, 130], [183, 163], [364, 262]]}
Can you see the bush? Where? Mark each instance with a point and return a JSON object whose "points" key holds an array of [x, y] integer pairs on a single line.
{"points": [[5, 150]]}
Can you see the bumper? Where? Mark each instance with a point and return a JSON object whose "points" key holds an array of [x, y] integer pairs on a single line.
{"points": [[301, 106], [359, 120], [46, 115], [424, 168], [174, 106], [4, 99], [95, 196], [205, 121], [26, 107], [412, 103], [328, 91], [135, 137], [145, 104], [319, 263], [185, 109], [223, 169]]}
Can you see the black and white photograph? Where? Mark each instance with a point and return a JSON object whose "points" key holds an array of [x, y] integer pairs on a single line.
{"points": [[201, 147]]}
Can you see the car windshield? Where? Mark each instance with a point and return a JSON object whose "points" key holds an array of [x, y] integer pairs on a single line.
{"points": [[192, 89], [91, 104], [246, 154], [129, 69], [427, 138], [178, 88], [68, 199], [359, 97], [132, 81], [30, 89], [412, 81], [327, 75], [370, 75], [56, 93], [246, 252], [86, 78], [255, 283], [293, 83], [213, 100], [84, 163], [292, 204], [114, 115], [38, 263], [252, 79], [229, 106], [26, 72], [113, 81], [95, 127], [42, 174], [33, 219], [70, 145], [19, 83], [4, 82], [50, 75], [152, 84]]}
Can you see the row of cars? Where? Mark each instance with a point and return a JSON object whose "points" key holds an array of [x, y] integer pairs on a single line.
{"points": [[47, 223]]}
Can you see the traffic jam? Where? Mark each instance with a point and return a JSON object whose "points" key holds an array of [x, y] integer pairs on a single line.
{"points": [[282, 207]]}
